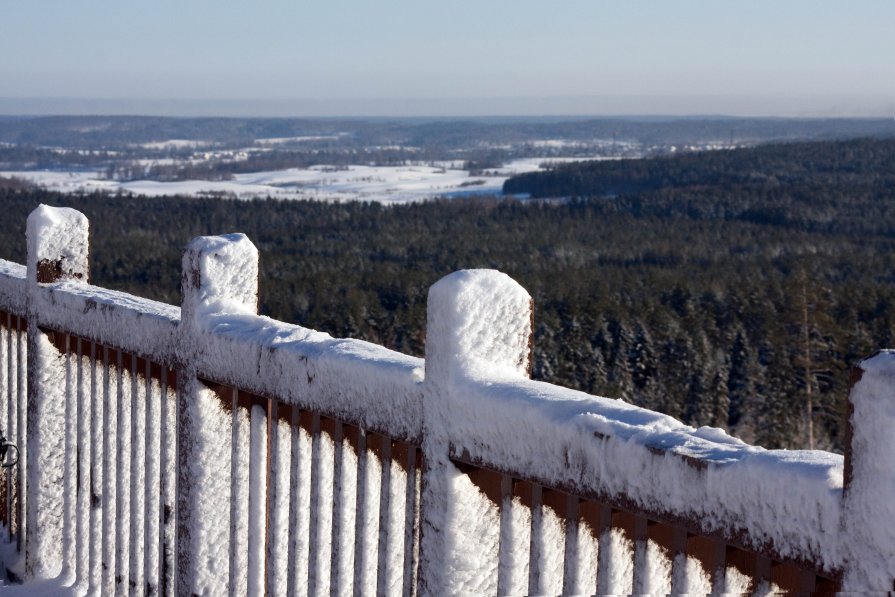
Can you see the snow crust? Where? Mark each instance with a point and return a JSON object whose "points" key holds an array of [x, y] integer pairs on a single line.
{"points": [[600, 446], [45, 452], [141, 326], [209, 452], [58, 234], [230, 344], [350, 380], [869, 504], [220, 276], [479, 323], [13, 290]]}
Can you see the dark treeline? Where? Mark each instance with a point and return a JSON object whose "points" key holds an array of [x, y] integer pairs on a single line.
{"points": [[794, 171], [715, 313]]}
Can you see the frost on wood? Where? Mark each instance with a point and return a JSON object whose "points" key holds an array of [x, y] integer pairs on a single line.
{"points": [[205, 502], [597, 446], [869, 504], [280, 465], [227, 341], [57, 244], [479, 400], [340, 378], [346, 521], [257, 499], [12, 287], [45, 448], [136, 325], [474, 562], [479, 322], [220, 274]]}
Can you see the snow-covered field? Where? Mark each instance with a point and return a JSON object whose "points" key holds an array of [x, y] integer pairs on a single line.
{"points": [[302, 139], [175, 144], [385, 184]]}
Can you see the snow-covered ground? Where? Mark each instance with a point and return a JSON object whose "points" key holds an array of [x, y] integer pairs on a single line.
{"points": [[175, 144], [56, 587], [385, 184], [302, 139]]}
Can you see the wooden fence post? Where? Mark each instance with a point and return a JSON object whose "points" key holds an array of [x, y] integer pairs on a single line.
{"points": [[57, 251], [220, 277], [479, 323], [868, 538]]}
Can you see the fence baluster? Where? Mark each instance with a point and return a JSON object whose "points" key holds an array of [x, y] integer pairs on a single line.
{"points": [[300, 510], [9, 408], [257, 499], [411, 522], [505, 553], [240, 462], [152, 487], [22, 498], [4, 413], [344, 509], [96, 473], [123, 475], [364, 508], [83, 478], [571, 558], [69, 479], [588, 541], [109, 499], [315, 532], [537, 542], [280, 464], [138, 480], [168, 429], [385, 459]]}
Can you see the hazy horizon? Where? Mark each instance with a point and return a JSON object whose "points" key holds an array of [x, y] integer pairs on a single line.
{"points": [[520, 107], [465, 58]]}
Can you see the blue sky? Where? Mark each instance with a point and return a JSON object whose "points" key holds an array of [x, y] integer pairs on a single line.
{"points": [[491, 56]]}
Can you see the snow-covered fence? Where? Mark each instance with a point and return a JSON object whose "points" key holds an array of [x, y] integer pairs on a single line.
{"points": [[210, 450], [13, 331]]}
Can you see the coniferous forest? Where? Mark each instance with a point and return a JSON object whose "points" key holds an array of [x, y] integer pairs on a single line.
{"points": [[732, 288]]}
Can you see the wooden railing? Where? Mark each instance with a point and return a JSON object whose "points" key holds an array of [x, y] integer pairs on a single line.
{"points": [[208, 450]]}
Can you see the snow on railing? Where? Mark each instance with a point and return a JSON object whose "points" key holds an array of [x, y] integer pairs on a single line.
{"points": [[210, 450]]}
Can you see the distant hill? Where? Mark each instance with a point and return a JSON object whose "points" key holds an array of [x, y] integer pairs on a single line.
{"points": [[860, 162], [104, 132]]}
